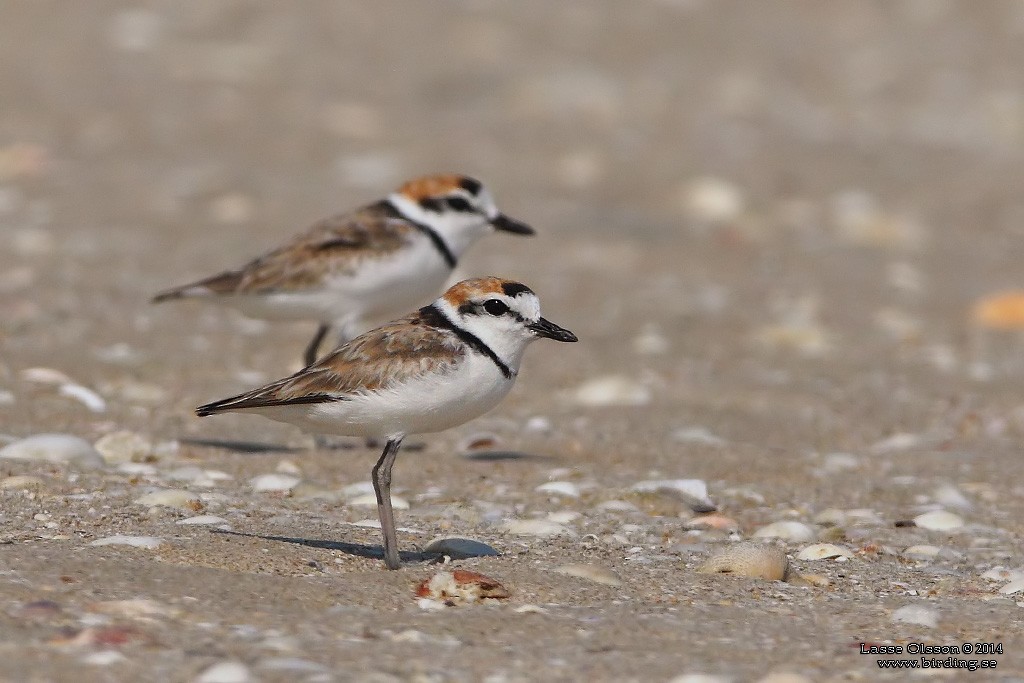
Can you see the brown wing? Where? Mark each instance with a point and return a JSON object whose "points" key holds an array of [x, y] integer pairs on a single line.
{"points": [[338, 244], [388, 355]]}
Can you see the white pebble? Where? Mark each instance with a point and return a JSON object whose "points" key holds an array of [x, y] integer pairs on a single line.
{"points": [[697, 435], [939, 520], [149, 542], [196, 475], [1013, 587], [693, 492], [358, 489], [950, 496], [104, 658], [459, 548], [616, 506], [788, 530], [44, 376], [137, 469], [123, 446], [823, 551], [287, 467], [612, 390], [538, 424], [560, 488], [650, 341], [712, 200], [370, 500], [84, 395], [172, 498], [700, 678], [564, 516], [901, 441], [274, 482], [590, 572], [839, 462], [225, 672], [203, 520], [917, 615], [1003, 574], [535, 527], [54, 448], [922, 552]]}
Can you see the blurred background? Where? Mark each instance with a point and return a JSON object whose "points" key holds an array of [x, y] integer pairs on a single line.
{"points": [[837, 180], [721, 189]]}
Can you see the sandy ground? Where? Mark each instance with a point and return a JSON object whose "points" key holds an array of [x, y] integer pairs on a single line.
{"points": [[768, 223]]}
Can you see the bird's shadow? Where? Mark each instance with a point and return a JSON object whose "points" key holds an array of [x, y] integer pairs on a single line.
{"points": [[240, 446], [500, 456], [373, 552], [255, 447]]}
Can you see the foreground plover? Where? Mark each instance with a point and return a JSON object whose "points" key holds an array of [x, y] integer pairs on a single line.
{"points": [[443, 365], [375, 262]]}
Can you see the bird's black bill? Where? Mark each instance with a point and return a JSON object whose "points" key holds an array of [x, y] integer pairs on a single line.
{"points": [[506, 224], [546, 328]]}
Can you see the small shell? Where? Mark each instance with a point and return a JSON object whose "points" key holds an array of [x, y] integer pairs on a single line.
{"points": [[172, 498], [84, 395], [787, 530], [460, 586], [560, 488], [693, 492], [54, 448], [274, 482], [720, 522], [123, 446], [823, 551], [612, 390], [748, 559], [939, 520]]}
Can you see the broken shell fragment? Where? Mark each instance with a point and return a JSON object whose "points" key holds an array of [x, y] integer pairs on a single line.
{"points": [[460, 587]]}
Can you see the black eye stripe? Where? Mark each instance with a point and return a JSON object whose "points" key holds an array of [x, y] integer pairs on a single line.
{"points": [[432, 204], [458, 204], [480, 308]]}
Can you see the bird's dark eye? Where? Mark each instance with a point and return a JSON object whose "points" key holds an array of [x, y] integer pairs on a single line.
{"points": [[458, 204], [495, 307]]}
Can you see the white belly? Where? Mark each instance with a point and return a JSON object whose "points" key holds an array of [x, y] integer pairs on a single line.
{"points": [[384, 288], [425, 405]]}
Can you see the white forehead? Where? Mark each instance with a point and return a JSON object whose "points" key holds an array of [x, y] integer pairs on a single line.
{"points": [[526, 304]]}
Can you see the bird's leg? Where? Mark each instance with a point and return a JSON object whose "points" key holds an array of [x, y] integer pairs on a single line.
{"points": [[314, 346], [382, 487]]}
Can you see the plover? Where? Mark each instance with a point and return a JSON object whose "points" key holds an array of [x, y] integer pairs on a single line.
{"points": [[373, 263], [437, 368]]}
